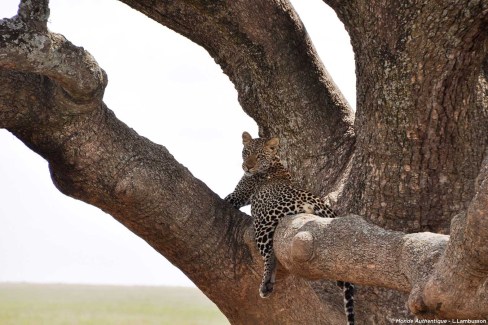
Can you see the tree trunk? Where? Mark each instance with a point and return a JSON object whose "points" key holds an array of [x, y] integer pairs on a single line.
{"points": [[420, 135], [409, 162]]}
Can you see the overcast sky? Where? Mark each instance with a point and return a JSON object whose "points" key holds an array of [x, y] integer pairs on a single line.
{"points": [[157, 79]]}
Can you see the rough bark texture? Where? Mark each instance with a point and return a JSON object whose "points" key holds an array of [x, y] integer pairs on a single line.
{"points": [[411, 160], [417, 67], [265, 59]]}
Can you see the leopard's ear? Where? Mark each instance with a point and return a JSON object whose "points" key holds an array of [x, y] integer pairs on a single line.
{"points": [[272, 144], [246, 138]]}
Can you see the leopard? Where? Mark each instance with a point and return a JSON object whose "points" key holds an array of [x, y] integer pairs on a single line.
{"points": [[268, 187]]}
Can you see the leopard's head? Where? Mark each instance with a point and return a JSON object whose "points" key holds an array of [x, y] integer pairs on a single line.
{"points": [[258, 154]]}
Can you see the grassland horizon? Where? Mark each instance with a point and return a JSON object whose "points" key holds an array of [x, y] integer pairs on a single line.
{"points": [[36, 303]]}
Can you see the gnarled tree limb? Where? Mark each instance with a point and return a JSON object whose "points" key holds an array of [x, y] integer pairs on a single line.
{"points": [[446, 276], [26, 45], [266, 58], [96, 158], [426, 265]]}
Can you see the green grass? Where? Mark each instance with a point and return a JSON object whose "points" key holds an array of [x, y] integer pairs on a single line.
{"points": [[22, 304]]}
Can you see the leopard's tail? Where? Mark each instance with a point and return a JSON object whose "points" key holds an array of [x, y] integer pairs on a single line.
{"points": [[348, 289]]}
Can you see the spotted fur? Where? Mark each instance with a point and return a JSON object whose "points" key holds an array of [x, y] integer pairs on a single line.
{"points": [[267, 186]]}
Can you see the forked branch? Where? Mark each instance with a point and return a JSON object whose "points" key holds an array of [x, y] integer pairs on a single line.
{"points": [[266, 59]]}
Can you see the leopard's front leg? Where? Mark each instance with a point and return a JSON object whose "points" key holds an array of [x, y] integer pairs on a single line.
{"points": [[264, 239], [269, 275]]}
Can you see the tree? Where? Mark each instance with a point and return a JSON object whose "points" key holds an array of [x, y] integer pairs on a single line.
{"points": [[409, 168]]}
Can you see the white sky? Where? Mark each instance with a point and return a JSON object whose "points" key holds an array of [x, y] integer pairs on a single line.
{"points": [[170, 91]]}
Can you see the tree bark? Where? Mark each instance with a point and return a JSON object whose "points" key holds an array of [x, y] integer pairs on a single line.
{"points": [[408, 163], [265, 59], [420, 135]]}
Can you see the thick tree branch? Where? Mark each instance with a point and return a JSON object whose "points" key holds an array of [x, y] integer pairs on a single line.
{"points": [[279, 78], [350, 249], [96, 158]]}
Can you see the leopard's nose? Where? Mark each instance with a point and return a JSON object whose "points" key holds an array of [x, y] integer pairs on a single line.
{"points": [[244, 166], [249, 163], [247, 167]]}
